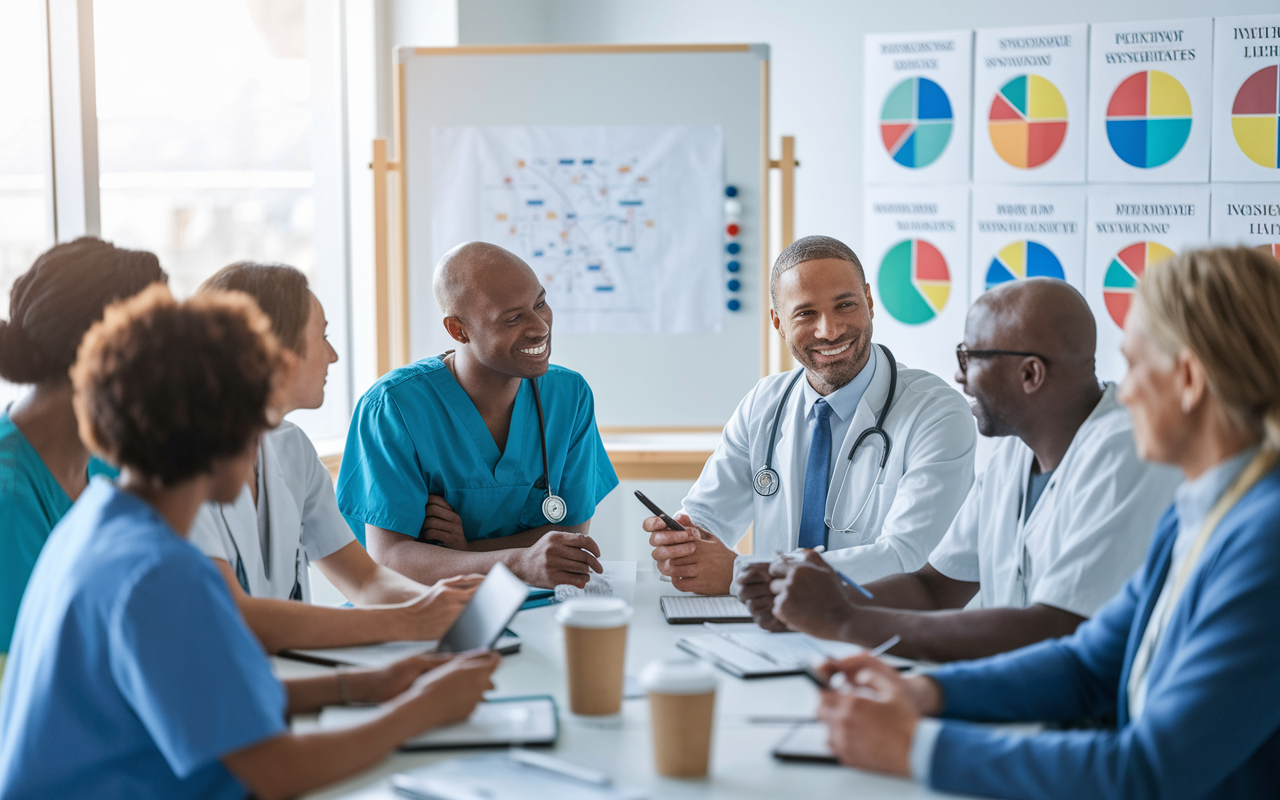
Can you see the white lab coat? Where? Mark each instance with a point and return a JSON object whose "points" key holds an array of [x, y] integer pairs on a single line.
{"points": [[1088, 533], [928, 475], [301, 524]]}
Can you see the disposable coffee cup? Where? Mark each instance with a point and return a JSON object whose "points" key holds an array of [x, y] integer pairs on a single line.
{"points": [[595, 649], [682, 699]]}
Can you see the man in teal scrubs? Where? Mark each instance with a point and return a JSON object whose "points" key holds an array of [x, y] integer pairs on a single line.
{"points": [[444, 459]]}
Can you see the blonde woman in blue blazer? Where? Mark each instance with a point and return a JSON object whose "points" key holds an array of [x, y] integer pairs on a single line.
{"points": [[1187, 656]]}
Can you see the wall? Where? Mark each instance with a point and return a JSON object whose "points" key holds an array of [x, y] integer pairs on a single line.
{"points": [[816, 60]]}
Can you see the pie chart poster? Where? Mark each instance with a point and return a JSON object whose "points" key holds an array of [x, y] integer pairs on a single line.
{"points": [[916, 255], [1246, 90], [1029, 104], [1026, 231], [1130, 228], [915, 105], [1247, 214], [1151, 101]]}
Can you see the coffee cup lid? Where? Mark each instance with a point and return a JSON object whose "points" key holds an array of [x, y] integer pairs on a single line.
{"points": [[594, 612], [678, 676]]}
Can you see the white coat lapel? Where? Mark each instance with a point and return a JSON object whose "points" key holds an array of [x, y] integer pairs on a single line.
{"points": [[852, 481], [284, 517], [793, 436]]}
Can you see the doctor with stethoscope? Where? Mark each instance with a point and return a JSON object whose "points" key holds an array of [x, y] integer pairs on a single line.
{"points": [[851, 451]]}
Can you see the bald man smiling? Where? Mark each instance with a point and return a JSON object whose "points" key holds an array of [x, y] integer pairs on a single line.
{"points": [[445, 457], [1051, 530]]}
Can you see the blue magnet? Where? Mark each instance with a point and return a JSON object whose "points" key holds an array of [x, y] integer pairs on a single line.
{"points": [[731, 191], [734, 305], [733, 266], [735, 285], [733, 248]]}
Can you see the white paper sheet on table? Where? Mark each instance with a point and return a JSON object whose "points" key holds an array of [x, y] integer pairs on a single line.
{"points": [[494, 776], [525, 720], [619, 580]]}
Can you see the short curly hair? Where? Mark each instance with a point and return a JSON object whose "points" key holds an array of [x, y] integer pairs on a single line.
{"points": [[166, 388]]}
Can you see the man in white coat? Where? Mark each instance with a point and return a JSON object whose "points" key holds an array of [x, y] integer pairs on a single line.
{"points": [[851, 451], [1057, 522]]}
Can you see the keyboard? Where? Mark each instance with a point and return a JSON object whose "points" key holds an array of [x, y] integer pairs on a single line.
{"points": [[696, 609]]}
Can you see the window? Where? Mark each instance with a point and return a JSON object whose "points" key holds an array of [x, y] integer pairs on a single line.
{"points": [[26, 227], [216, 144]]}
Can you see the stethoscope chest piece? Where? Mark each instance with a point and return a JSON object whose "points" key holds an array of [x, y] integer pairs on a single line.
{"points": [[766, 481], [553, 508]]}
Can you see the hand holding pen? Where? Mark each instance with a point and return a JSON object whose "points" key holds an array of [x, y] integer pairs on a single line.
{"points": [[809, 596]]}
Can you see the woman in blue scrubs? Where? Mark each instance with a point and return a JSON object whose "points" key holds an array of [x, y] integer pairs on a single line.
{"points": [[444, 460], [132, 674], [43, 464]]}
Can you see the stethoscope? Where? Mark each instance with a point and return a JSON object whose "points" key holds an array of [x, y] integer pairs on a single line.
{"points": [[553, 506], [767, 481]]}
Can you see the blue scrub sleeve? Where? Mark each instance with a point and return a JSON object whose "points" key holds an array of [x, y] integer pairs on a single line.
{"points": [[21, 539], [187, 665], [588, 474], [381, 481]]}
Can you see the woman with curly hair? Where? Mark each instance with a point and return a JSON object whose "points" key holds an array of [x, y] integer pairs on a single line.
{"points": [[132, 674], [43, 464], [286, 517]]}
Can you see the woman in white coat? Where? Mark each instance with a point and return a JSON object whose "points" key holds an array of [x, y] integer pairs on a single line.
{"points": [[288, 518]]}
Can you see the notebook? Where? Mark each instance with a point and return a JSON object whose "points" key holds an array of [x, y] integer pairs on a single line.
{"points": [[505, 722], [696, 609], [747, 651]]}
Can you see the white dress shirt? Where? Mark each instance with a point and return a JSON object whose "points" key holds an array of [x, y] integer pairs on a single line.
{"points": [[905, 509]]}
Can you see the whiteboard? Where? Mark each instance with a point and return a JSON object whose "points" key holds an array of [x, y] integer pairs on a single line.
{"points": [[660, 381]]}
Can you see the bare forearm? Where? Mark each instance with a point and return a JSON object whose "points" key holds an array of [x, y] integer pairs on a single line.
{"points": [[386, 587], [923, 590], [958, 635], [290, 765], [428, 563], [524, 538], [285, 624], [311, 694]]}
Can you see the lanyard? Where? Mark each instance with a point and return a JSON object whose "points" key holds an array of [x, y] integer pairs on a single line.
{"points": [[1259, 466]]}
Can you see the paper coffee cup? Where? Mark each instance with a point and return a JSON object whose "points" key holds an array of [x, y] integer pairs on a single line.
{"points": [[595, 650], [682, 699]]}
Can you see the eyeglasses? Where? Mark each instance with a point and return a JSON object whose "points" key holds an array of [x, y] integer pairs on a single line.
{"points": [[963, 354]]}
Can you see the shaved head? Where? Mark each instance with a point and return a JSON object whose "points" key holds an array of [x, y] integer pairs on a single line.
{"points": [[471, 268], [1037, 370], [1039, 315], [496, 310]]}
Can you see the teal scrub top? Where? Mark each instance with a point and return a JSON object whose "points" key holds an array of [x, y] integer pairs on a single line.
{"points": [[416, 433], [132, 673], [33, 502]]}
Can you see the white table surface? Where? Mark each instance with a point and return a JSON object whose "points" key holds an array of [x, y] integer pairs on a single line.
{"points": [[741, 764]]}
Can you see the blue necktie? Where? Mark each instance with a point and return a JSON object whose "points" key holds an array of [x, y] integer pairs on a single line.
{"points": [[813, 525]]}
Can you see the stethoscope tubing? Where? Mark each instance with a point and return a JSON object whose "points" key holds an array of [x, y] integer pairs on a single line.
{"points": [[768, 476], [553, 507]]}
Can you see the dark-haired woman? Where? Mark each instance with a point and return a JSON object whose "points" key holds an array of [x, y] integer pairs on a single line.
{"points": [[132, 674], [287, 517], [43, 464]]}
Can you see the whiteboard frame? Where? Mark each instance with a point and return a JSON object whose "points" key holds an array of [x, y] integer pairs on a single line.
{"points": [[391, 269]]}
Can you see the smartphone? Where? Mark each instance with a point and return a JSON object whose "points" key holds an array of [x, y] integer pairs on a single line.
{"points": [[652, 506]]}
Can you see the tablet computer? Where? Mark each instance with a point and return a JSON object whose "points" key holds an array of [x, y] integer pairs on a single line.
{"points": [[491, 609]]}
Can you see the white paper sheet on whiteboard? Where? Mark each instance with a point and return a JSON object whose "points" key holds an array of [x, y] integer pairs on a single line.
{"points": [[623, 225]]}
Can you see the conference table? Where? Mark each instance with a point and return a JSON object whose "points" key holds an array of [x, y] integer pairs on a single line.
{"points": [[741, 763]]}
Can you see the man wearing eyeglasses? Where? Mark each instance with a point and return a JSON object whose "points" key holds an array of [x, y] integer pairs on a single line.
{"points": [[1051, 530]]}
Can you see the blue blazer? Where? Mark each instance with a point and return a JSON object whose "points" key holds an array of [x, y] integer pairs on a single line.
{"points": [[1211, 727]]}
